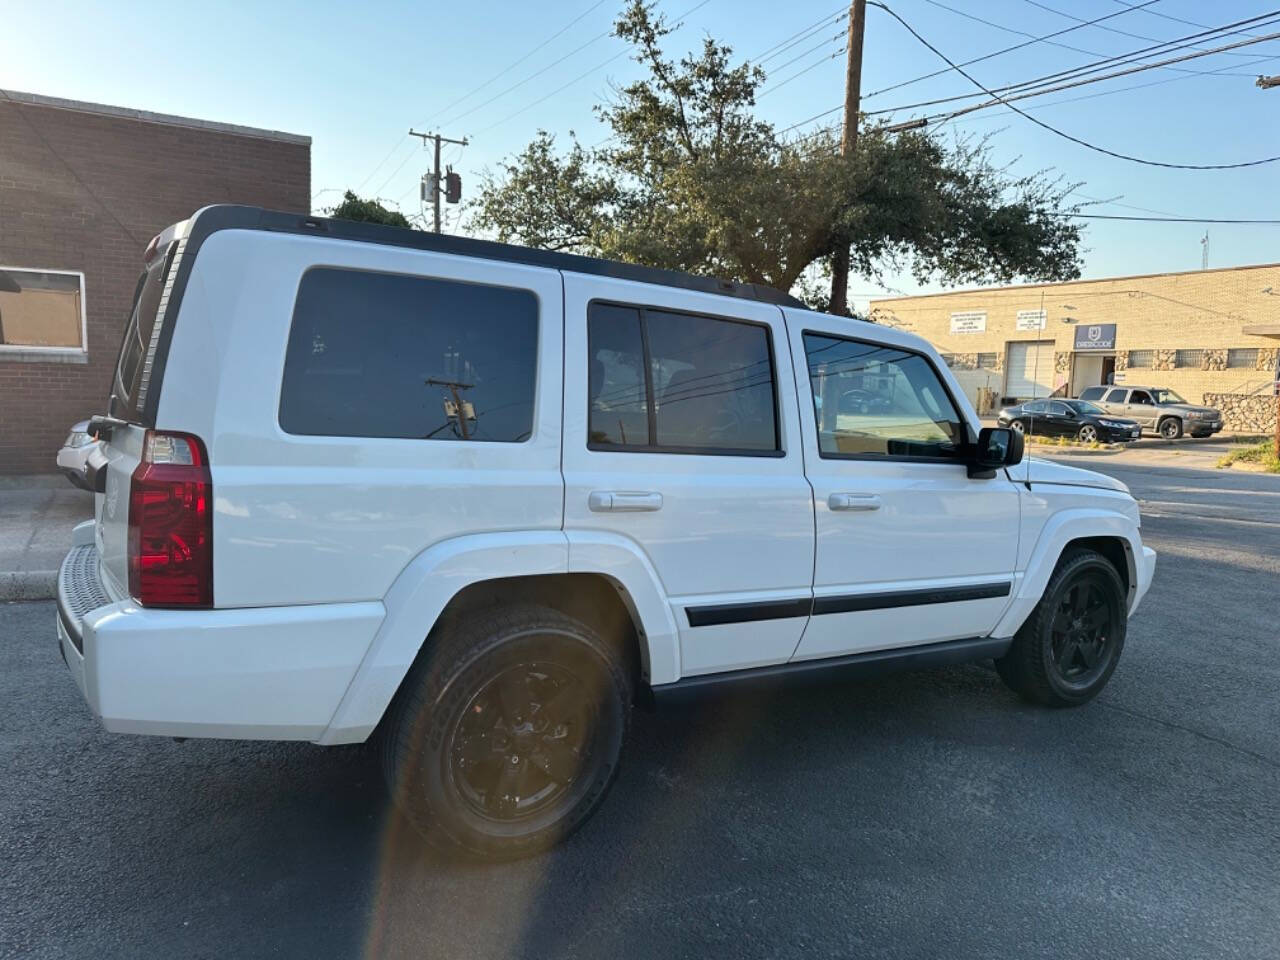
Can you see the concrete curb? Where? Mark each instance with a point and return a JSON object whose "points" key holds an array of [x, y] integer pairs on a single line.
{"points": [[1035, 449], [28, 584]]}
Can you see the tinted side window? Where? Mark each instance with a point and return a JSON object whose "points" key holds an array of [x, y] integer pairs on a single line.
{"points": [[874, 400], [1116, 396], [618, 397], [384, 355], [1036, 406], [1059, 409], [1140, 396], [1092, 393], [680, 382]]}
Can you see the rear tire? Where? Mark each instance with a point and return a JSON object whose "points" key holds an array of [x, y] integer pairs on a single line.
{"points": [[1068, 648], [506, 733], [1170, 428]]}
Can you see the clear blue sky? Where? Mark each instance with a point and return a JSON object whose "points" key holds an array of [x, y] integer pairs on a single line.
{"points": [[355, 79]]}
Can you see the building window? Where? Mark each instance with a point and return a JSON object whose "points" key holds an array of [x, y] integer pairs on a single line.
{"points": [[1188, 358], [41, 310], [1246, 357], [986, 361], [1142, 358]]}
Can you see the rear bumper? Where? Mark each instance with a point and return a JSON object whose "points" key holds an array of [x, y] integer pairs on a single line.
{"points": [[262, 673]]}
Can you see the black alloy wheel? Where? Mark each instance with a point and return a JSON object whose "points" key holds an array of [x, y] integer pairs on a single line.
{"points": [[1083, 630], [522, 740], [1067, 649], [506, 733]]}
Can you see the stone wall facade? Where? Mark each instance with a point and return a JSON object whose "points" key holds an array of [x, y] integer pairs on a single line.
{"points": [[1245, 413]]}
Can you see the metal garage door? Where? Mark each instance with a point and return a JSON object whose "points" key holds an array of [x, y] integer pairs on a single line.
{"points": [[1030, 369]]}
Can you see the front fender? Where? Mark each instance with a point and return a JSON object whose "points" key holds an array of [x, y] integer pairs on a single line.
{"points": [[1060, 529]]}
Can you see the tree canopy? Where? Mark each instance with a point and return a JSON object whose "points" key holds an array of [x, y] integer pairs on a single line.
{"points": [[692, 180], [353, 207]]}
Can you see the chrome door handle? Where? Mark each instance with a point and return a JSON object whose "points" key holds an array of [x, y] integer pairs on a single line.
{"points": [[601, 501], [853, 501]]}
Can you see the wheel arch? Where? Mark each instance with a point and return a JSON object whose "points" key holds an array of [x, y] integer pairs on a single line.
{"points": [[1110, 533], [612, 591]]}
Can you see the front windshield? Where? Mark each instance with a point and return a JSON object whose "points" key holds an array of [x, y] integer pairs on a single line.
{"points": [[1166, 396], [1084, 406]]}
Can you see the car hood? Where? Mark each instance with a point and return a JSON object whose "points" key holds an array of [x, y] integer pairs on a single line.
{"points": [[1046, 471]]}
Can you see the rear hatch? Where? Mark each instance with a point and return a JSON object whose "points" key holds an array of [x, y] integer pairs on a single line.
{"points": [[134, 393]]}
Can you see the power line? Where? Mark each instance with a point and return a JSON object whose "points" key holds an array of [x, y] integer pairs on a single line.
{"points": [[1117, 216], [1109, 29], [581, 76], [800, 73], [511, 66], [800, 36], [1037, 88], [1060, 133], [1045, 38]]}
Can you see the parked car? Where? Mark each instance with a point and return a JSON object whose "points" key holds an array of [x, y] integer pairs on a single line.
{"points": [[477, 500], [1157, 409], [1069, 418], [74, 454]]}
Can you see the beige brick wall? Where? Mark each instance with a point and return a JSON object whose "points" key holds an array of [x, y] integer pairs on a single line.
{"points": [[1198, 310]]}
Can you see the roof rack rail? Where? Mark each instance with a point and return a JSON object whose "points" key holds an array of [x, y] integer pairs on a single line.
{"points": [[229, 217]]}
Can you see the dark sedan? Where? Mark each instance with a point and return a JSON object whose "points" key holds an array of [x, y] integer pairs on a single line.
{"points": [[1079, 419]]}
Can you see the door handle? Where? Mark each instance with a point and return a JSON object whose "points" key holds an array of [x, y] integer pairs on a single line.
{"points": [[601, 501], [853, 501]]}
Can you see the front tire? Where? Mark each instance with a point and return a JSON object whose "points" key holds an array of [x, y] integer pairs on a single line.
{"points": [[1088, 433], [1171, 428], [1067, 650], [507, 732], [1018, 426]]}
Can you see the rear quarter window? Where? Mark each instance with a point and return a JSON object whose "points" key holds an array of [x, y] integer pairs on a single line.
{"points": [[386, 355], [1092, 393]]}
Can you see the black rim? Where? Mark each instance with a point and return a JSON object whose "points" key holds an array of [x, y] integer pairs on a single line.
{"points": [[522, 741], [1082, 634]]}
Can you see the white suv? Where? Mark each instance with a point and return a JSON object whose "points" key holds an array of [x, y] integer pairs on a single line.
{"points": [[480, 499]]}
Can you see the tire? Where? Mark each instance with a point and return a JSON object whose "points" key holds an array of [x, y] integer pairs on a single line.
{"points": [[478, 697], [1170, 428], [1088, 433], [1048, 662], [1017, 426]]}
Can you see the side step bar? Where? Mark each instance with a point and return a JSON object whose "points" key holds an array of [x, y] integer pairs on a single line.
{"points": [[829, 669]]}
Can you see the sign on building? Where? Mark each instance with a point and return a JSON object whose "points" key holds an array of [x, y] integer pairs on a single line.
{"points": [[1096, 336], [1031, 320], [973, 321]]}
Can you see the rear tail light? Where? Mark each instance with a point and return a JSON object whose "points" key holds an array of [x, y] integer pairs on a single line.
{"points": [[171, 523]]}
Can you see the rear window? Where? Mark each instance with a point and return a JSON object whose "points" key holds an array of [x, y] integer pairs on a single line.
{"points": [[385, 355], [128, 390]]}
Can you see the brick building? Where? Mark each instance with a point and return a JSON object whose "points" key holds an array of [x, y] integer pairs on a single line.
{"points": [[1207, 334], [83, 189]]}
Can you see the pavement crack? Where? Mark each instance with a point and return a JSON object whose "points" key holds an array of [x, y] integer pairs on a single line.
{"points": [[1195, 733]]}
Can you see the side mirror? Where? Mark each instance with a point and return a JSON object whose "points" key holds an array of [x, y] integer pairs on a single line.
{"points": [[996, 447]]}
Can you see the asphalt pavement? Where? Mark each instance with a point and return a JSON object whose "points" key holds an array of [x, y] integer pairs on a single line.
{"points": [[924, 814]]}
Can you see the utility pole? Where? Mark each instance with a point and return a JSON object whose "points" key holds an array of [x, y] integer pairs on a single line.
{"points": [[435, 170], [1266, 83], [849, 141]]}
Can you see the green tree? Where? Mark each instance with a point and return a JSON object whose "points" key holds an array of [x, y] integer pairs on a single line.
{"points": [[692, 180], [368, 211]]}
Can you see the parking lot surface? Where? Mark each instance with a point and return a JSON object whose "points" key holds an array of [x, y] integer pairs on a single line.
{"points": [[924, 814]]}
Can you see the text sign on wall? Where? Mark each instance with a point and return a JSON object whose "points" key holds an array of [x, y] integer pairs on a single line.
{"points": [[1096, 336], [1031, 320], [974, 321]]}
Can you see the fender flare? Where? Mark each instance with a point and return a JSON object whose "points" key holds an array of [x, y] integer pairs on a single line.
{"points": [[426, 585], [1073, 523]]}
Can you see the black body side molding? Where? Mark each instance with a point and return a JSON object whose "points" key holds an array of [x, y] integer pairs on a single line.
{"points": [[852, 666]]}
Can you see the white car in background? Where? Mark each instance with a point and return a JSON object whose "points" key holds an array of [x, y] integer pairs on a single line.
{"points": [[75, 451]]}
